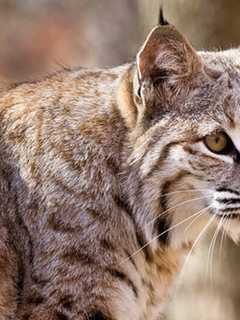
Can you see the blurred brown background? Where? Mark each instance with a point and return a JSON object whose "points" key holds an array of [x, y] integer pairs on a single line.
{"points": [[38, 37]]}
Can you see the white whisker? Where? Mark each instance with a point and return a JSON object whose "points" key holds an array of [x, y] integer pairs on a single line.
{"points": [[192, 222], [182, 191], [211, 250], [159, 235], [177, 206], [222, 236], [201, 233]]}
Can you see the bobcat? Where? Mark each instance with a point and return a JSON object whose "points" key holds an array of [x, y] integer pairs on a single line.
{"points": [[108, 176]]}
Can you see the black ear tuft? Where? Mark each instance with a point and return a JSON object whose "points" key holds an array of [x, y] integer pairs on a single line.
{"points": [[162, 21]]}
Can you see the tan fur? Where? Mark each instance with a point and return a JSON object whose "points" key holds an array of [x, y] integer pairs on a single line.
{"points": [[125, 99]]}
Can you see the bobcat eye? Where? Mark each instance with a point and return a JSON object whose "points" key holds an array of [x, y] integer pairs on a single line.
{"points": [[218, 143]]}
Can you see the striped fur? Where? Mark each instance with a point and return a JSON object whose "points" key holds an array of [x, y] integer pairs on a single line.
{"points": [[97, 169]]}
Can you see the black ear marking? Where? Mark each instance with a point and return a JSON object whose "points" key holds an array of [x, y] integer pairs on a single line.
{"points": [[162, 21], [139, 88]]}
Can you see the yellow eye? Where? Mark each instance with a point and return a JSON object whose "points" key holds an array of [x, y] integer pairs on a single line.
{"points": [[217, 142]]}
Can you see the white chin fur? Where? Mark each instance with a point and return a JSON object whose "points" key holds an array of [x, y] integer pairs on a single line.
{"points": [[189, 231]]}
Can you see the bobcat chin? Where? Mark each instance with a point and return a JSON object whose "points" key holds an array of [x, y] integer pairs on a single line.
{"points": [[108, 177]]}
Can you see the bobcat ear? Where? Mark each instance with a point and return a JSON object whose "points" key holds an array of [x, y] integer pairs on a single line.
{"points": [[165, 64]]}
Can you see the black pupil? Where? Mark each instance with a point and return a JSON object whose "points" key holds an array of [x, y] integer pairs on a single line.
{"points": [[217, 139]]}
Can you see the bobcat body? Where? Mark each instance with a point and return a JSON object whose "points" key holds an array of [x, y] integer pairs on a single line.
{"points": [[101, 172]]}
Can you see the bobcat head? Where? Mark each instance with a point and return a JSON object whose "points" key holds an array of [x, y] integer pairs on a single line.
{"points": [[184, 123]]}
